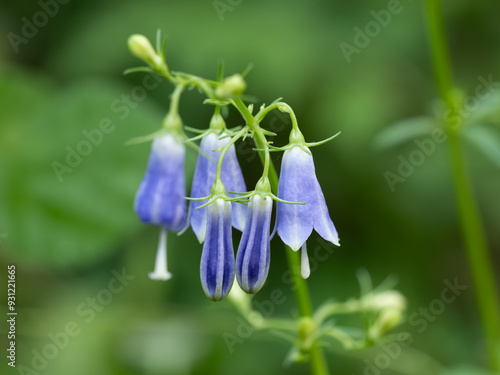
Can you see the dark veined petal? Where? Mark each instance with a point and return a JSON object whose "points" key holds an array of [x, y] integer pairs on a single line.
{"points": [[298, 183], [160, 199], [253, 258], [217, 257], [204, 177]]}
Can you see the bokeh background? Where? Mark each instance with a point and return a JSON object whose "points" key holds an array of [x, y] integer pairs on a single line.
{"points": [[67, 236]]}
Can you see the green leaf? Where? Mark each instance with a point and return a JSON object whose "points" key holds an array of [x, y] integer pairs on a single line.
{"points": [[66, 185], [486, 140], [487, 111], [404, 131], [466, 371]]}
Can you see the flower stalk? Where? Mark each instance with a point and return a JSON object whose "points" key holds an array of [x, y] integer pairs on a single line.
{"points": [[472, 228]]}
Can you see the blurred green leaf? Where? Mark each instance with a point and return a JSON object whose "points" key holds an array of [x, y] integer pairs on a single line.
{"points": [[404, 131], [466, 371], [80, 213], [488, 110], [485, 140]]}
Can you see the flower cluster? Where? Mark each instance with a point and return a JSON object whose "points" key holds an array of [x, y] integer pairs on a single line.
{"points": [[219, 199]]}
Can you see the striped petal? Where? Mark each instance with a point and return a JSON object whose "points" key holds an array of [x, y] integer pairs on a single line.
{"points": [[253, 258], [217, 257], [204, 177]]}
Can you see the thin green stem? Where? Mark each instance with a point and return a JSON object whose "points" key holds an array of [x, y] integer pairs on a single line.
{"points": [[267, 159], [245, 113], [284, 107], [226, 148], [176, 95], [473, 232], [439, 47]]}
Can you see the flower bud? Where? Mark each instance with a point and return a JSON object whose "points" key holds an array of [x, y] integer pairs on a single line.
{"points": [[140, 47], [231, 87], [390, 299], [388, 319], [390, 305]]}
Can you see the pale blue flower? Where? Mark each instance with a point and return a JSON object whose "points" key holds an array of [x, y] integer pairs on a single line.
{"points": [[298, 183], [204, 177], [160, 199], [252, 260], [217, 257]]}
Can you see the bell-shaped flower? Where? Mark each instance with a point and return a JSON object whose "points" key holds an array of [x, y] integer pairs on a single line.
{"points": [[217, 257], [253, 257], [204, 177], [160, 199], [298, 183]]}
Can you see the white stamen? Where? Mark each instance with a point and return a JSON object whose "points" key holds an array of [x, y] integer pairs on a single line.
{"points": [[305, 270], [161, 272]]}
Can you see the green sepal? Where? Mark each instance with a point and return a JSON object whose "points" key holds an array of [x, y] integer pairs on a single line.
{"points": [[194, 130], [144, 138], [138, 69], [313, 144], [221, 102], [268, 132]]}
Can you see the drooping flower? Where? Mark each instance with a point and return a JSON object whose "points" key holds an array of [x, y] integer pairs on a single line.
{"points": [[204, 177], [160, 199], [253, 257], [217, 257], [298, 183]]}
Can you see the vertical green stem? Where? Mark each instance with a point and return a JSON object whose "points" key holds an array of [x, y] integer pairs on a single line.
{"points": [[473, 232], [318, 362]]}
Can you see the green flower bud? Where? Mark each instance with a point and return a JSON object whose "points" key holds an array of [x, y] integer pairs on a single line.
{"points": [[231, 87], [390, 305], [141, 47]]}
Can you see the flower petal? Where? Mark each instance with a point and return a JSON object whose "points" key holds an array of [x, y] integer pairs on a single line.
{"points": [[298, 183], [204, 177], [323, 224], [253, 258], [160, 198], [217, 258], [294, 222], [232, 178]]}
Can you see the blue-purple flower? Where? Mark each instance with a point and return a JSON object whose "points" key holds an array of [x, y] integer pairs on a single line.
{"points": [[160, 199], [217, 257], [204, 177], [298, 183], [252, 260]]}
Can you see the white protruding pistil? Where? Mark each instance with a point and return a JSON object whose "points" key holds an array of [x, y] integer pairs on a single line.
{"points": [[161, 272], [305, 270]]}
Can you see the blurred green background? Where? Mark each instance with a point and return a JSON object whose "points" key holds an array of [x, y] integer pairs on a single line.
{"points": [[69, 236]]}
